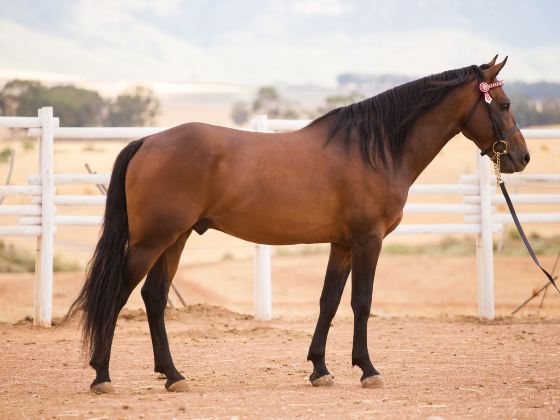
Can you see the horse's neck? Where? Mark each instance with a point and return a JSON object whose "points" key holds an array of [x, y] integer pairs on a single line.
{"points": [[431, 133]]}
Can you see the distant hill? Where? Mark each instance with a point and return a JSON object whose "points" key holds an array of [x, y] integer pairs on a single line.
{"points": [[538, 90], [532, 103], [372, 84]]}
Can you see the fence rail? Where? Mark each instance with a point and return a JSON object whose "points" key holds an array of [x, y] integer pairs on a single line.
{"points": [[40, 219]]}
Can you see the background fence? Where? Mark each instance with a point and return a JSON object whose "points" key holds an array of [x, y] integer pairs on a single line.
{"points": [[40, 219]]}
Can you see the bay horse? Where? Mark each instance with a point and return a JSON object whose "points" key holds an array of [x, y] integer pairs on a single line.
{"points": [[343, 179]]}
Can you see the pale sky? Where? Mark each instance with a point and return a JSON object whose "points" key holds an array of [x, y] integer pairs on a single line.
{"points": [[273, 41]]}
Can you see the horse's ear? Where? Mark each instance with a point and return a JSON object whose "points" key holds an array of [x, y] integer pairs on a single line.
{"points": [[492, 72], [493, 61]]}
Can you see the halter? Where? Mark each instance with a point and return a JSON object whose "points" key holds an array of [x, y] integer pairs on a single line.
{"points": [[485, 89], [499, 147]]}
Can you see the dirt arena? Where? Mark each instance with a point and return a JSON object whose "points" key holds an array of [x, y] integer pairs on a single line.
{"points": [[437, 360]]}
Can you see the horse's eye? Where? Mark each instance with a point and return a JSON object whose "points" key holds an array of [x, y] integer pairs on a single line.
{"points": [[505, 107]]}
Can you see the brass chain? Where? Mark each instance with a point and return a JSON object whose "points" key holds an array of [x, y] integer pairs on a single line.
{"points": [[496, 162]]}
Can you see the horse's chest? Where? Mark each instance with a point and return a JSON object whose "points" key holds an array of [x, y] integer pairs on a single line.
{"points": [[383, 210]]}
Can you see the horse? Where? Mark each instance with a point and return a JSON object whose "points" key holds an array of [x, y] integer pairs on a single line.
{"points": [[343, 179]]}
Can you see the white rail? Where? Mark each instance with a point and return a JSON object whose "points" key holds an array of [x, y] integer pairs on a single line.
{"points": [[26, 210], [16, 190], [39, 218], [25, 122], [517, 179], [73, 179], [519, 199], [98, 133]]}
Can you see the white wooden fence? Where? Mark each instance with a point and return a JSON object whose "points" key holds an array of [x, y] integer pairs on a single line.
{"points": [[39, 218]]}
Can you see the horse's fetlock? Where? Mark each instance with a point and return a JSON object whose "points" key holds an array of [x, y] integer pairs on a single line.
{"points": [[361, 308], [361, 361], [316, 356], [162, 370], [97, 365]]}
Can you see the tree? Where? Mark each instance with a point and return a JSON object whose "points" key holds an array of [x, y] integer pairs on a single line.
{"points": [[337, 101], [137, 107], [239, 113], [78, 107], [267, 102], [22, 97], [528, 111], [74, 106]]}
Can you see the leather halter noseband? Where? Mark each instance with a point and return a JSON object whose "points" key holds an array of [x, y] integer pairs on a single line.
{"points": [[501, 137], [499, 145]]}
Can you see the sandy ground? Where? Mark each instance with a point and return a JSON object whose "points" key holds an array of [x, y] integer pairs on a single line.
{"points": [[240, 368], [436, 358]]}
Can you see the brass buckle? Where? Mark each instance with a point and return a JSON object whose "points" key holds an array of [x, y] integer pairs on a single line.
{"points": [[501, 152]]}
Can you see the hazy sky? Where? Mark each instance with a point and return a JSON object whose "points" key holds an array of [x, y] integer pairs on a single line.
{"points": [[274, 41]]}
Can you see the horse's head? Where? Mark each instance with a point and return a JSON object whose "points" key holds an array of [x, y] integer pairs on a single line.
{"points": [[490, 123]]}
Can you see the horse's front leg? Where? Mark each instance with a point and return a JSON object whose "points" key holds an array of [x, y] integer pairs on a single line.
{"points": [[338, 269], [365, 253]]}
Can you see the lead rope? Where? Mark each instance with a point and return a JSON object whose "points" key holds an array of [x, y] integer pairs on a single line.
{"points": [[496, 163]]}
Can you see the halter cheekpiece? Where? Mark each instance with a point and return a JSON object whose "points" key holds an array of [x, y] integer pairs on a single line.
{"points": [[499, 146], [485, 89]]}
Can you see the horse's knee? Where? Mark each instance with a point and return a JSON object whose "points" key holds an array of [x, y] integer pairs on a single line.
{"points": [[361, 307], [154, 298], [328, 307]]}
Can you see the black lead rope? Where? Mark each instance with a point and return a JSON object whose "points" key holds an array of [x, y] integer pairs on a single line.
{"points": [[522, 233], [500, 143]]}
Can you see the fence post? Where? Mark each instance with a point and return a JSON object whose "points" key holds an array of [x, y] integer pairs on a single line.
{"points": [[262, 266], [45, 242], [484, 242]]}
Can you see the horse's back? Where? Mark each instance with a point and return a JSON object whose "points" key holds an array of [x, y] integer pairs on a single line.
{"points": [[225, 176]]}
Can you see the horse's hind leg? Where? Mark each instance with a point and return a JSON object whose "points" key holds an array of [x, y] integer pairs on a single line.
{"points": [[154, 293], [338, 269], [138, 261]]}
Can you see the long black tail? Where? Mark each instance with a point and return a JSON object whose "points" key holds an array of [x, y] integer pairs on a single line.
{"points": [[102, 295]]}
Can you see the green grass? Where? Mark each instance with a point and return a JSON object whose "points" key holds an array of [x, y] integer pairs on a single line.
{"points": [[14, 260], [5, 154], [449, 246], [28, 144], [513, 245], [316, 249], [459, 246]]}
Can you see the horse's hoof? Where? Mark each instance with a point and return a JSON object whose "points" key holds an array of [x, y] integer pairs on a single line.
{"points": [[325, 380], [374, 381], [102, 388], [179, 386]]}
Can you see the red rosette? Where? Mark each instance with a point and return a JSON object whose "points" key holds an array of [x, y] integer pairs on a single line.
{"points": [[484, 87]]}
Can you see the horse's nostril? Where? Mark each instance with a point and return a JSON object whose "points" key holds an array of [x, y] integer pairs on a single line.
{"points": [[527, 158]]}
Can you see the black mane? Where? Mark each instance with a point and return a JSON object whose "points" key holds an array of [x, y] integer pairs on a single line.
{"points": [[391, 115]]}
